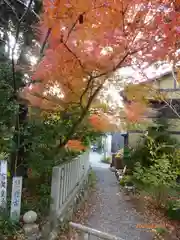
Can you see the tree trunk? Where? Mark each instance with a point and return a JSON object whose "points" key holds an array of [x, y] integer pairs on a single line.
{"points": [[18, 165]]}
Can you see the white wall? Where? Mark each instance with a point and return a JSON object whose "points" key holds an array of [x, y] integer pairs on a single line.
{"points": [[107, 145]]}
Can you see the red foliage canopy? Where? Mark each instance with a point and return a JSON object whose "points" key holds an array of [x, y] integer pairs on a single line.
{"points": [[87, 40], [75, 145], [135, 111]]}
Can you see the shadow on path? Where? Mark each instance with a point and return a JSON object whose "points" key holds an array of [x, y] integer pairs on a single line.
{"points": [[114, 212]]}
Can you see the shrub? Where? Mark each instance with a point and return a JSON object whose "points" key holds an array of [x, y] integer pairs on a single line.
{"points": [[157, 169], [122, 182], [173, 209], [157, 179], [160, 233], [126, 181], [156, 141], [7, 227]]}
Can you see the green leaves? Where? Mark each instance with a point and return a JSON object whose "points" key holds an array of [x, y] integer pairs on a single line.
{"points": [[8, 106], [156, 162], [42, 136]]}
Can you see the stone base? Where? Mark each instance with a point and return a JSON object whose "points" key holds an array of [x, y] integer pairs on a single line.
{"points": [[31, 231]]}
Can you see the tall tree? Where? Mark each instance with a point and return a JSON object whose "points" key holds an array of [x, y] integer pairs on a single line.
{"points": [[17, 16], [17, 20], [85, 42]]}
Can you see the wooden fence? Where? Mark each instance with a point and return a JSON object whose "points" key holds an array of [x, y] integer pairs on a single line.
{"points": [[66, 178]]}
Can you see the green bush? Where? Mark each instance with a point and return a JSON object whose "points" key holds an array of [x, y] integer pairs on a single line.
{"points": [[156, 164], [161, 233], [158, 178], [173, 209], [122, 182], [156, 141], [7, 227], [126, 181]]}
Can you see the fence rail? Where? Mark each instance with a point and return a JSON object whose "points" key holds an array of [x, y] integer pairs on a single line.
{"points": [[87, 233], [65, 178]]}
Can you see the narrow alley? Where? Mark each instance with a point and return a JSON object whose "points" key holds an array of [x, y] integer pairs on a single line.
{"points": [[114, 212]]}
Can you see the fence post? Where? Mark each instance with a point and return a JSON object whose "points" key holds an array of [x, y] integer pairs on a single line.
{"points": [[55, 189]]}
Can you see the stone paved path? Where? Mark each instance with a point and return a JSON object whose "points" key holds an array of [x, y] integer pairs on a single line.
{"points": [[114, 212]]}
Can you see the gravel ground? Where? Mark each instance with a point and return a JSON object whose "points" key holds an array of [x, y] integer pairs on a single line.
{"points": [[113, 211]]}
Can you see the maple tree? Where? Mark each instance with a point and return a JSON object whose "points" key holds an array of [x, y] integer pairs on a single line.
{"points": [[102, 122], [84, 42], [75, 145]]}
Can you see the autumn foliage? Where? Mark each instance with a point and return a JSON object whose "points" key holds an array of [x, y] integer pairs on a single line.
{"points": [[135, 111], [75, 145], [101, 122], [86, 41], [79, 32]]}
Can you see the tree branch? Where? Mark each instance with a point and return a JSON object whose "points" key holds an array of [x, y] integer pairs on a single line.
{"points": [[172, 108], [74, 55], [45, 41], [92, 97], [73, 26], [86, 89], [12, 8], [35, 14], [80, 119]]}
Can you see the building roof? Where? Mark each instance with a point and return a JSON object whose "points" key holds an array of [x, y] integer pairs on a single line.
{"points": [[170, 109]]}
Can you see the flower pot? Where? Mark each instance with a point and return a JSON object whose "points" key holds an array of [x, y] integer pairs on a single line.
{"points": [[118, 162]]}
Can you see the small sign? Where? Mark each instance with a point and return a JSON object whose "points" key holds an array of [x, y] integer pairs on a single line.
{"points": [[3, 184], [16, 199]]}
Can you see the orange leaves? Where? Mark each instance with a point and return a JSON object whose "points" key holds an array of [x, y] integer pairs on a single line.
{"points": [[59, 67], [44, 67], [36, 99], [99, 18], [63, 12], [177, 5], [122, 26], [111, 34], [135, 111], [75, 145], [51, 10], [96, 121], [101, 122]]}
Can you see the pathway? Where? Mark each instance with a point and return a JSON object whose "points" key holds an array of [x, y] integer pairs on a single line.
{"points": [[114, 213]]}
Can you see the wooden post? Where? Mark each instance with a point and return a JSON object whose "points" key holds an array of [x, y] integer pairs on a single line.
{"points": [[16, 199], [3, 184]]}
